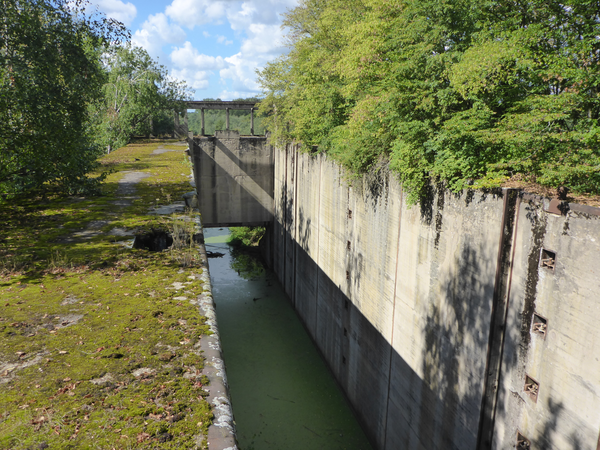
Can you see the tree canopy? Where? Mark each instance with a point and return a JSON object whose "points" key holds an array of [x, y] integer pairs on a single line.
{"points": [[137, 91], [469, 92], [49, 73], [70, 86]]}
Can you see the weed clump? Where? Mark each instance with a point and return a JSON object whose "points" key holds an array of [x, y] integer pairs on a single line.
{"points": [[246, 236]]}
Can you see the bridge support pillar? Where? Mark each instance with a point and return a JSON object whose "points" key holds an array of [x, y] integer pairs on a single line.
{"points": [[202, 119]]}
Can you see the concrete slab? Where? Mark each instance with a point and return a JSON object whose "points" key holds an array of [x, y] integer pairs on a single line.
{"points": [[234, 177]]}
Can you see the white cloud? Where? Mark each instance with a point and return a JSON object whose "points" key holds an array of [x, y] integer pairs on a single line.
{"points": [[196, 79], [263, 41], [188, 57], [241, 73], [266, 12], [240, 14], [116, 9], [258, 39], [196, 12], [223, 40], [263, 44], [231, 95], [156, 32]]}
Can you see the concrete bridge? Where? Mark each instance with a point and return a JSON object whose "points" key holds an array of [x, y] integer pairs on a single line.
{"points": [[234, 173]]}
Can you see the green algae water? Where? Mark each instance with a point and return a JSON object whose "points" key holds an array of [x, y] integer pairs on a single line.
{"points": [[282, 394]]}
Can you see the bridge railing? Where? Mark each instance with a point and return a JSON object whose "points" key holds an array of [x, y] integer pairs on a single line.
{"points": [[227, 106]]}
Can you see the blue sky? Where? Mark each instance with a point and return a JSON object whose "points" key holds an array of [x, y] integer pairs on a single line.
{"points": [[215, 46]]}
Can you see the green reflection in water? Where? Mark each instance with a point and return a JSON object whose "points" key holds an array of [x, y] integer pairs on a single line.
{"points": [[246, 265]]}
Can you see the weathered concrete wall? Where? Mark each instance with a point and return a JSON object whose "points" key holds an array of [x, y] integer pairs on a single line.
{"points": [[566, 360], [234, 179], [413, 310]]}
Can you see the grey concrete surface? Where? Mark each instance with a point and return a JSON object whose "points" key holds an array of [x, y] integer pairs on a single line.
{"points": [[565, 360], [424, 312], [126, 185], [221, 433], [428, 314], [234, 179]]}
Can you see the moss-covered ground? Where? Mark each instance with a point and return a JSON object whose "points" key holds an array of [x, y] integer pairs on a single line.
{"points": [[98, 341]]}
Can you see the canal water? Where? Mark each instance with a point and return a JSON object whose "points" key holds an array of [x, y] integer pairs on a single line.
{"points": [[282, 394]]}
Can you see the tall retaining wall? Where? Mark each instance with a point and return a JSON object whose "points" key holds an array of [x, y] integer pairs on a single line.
{"points": [[424, 313]]}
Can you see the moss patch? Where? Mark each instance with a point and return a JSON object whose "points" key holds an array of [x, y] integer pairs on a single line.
{"points": [[99, 342]]}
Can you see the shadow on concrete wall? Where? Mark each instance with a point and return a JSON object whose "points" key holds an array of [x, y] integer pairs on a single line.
{"points": [[546, 438], [399, 408], [234, 192], [429, 393], [437, 408], [456, 340], [249, 168]]}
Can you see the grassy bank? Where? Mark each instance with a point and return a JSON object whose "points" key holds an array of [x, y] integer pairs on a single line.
{"points": [[98, 341]]}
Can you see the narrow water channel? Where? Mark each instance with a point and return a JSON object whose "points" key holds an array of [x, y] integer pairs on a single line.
{"points": [[283, 395]]}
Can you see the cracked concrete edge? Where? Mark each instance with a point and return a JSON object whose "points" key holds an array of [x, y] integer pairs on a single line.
{"points": [[221, 434]]}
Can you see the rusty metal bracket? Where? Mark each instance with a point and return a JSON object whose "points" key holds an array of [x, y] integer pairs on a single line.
{"points": [[539, 325], [558, 207], [547, 259], [522, 442], [531, 388]]}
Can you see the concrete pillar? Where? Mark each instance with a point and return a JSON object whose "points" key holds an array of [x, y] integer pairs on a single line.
{"points": [[252, 121], [185, 122], [202, 119], [176, 123], [227, 119]]}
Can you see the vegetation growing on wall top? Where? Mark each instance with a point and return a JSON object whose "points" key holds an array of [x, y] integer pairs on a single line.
{"points": [[246, 236], [472, 93], [98, 340]]}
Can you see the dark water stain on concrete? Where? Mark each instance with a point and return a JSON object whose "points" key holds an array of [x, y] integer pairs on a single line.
{"points": [[538, 230]]}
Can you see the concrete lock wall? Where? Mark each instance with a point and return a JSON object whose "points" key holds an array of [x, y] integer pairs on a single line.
{"points": [[234, 178], [424, 313], [565, 360]]}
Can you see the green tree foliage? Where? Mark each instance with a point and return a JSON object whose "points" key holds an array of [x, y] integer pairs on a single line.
{"points": [[49, 73], [137, 93], [214, 119], [470, 92]]}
